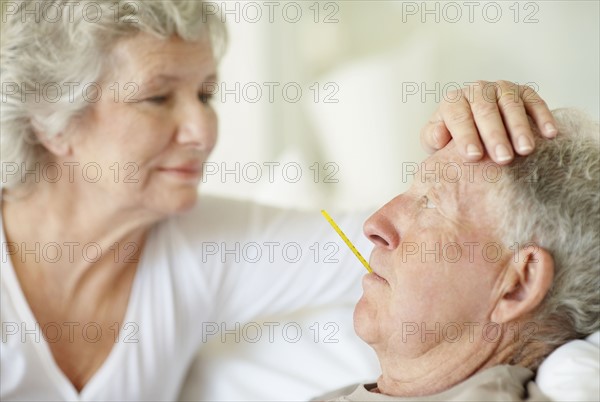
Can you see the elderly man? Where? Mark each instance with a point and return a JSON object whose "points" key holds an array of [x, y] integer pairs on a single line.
{"points": [[481, 270]]}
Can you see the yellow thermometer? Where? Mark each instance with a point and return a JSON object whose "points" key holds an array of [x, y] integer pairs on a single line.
{"points": [[346, 240]]}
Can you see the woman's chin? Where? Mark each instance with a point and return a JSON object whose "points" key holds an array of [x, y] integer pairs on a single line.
{"points": [[178, 201], [187, 203]]}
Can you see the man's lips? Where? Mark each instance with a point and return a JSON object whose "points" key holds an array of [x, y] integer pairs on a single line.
{"points": [[376, 274], [379, 277], [372, 279]]}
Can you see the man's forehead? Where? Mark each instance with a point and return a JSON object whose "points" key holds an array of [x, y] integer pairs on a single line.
{"points": [[448, 173], [449, 159], [447, 154], [435, 168], [460, 188]]}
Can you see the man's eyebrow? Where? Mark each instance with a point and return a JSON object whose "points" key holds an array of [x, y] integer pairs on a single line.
{"points": [[434, 182]]}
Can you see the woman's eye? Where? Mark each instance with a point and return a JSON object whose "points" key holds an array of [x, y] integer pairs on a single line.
{"points": [[427, 203], [157, 99], [205, 97]]}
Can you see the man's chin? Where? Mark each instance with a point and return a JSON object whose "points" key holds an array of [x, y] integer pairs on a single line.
{"points": [[364, 324]]}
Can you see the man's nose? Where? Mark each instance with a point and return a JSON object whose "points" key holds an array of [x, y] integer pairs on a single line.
{"points": [[197, 125], [380, 228]]}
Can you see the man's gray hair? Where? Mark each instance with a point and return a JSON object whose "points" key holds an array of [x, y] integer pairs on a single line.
{"points": [[553, 200], [49, 46]]}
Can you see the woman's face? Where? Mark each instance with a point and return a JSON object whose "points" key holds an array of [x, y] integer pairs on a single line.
{"points": [[152, 128]]}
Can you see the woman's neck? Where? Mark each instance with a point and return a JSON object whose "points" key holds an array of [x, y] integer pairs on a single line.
{"points": [[73, 238]]}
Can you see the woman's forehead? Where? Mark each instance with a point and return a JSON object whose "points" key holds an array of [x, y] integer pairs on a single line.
{"points": [[149, 57]]}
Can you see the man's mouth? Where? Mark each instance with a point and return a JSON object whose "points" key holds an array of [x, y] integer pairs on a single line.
{"points": [[378, 277], [374, 275]]}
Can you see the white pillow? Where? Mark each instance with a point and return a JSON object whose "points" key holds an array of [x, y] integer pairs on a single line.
{"points": [[572, 372]]}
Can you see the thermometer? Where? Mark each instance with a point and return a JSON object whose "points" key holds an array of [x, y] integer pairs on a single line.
{"points": [[346, 240]]}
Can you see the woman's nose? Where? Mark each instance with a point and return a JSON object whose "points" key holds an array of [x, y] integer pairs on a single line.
{"points": [[197, 126], [380, 228]]}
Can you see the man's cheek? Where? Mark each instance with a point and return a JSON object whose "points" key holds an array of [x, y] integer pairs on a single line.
{"points": [[403, 310]]}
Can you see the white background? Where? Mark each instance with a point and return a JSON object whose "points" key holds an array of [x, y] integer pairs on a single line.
{"points": [[374, 54]]}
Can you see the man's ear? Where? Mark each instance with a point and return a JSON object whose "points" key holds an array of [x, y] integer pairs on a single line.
{"points": [[526, 282]]}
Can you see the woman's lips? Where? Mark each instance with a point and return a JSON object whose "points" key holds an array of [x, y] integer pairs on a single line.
{"points": [[183, 172]]}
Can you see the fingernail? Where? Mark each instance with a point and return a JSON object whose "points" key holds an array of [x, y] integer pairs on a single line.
{"points": [[551, 130], [502, 154], [524, 144], [473, 150]]}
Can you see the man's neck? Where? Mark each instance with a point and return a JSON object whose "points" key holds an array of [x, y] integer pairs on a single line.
{"points": [[439, 368]]}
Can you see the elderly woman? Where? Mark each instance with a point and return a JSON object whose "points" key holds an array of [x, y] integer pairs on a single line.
{"points": [[106, 123], [481, 271]]}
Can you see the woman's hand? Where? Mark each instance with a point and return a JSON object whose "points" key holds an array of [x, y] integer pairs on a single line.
{"points": [[494, 113]]}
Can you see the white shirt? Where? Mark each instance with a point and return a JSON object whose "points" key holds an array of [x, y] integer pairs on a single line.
{"points": [[223, 263]]}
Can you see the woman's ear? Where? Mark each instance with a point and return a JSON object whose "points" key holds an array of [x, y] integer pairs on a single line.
{"points": [[58, 144], [526, 282]]}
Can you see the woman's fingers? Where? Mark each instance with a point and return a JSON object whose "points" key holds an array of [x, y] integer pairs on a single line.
{"points": [[490, 116], [456, 117], [539, 112], [434, 135], [514, 115], [483, 98]]}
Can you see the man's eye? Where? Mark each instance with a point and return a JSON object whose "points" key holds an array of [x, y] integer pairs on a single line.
{"points": [[427, 203]]}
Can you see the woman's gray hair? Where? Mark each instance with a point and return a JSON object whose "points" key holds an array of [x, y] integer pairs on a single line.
{"points": [[553, 200], [47, 48]]}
